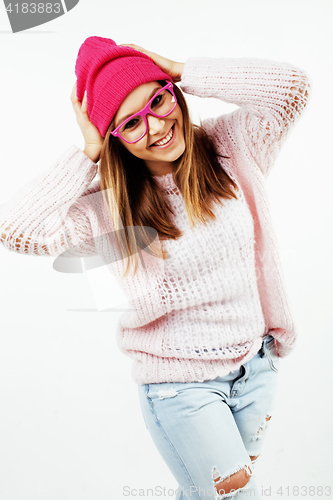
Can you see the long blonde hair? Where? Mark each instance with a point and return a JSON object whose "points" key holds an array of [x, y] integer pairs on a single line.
{"points": [[135, 200]]}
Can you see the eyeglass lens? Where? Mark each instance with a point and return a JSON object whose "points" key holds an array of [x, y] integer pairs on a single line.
{"points": [[134, 128]]}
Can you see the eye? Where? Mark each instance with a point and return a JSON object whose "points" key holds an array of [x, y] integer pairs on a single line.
{"points": [[130, 124], [159, 99]]}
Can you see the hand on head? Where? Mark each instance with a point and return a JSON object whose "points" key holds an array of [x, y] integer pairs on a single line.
{"points": [[92, 138], [172, 68], [110, 72]]}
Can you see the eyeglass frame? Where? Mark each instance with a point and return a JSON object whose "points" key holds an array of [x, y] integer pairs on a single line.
{"points": [[144, 112]]}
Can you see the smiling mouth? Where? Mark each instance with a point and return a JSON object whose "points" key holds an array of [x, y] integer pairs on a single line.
{"points": [[166, 139]]}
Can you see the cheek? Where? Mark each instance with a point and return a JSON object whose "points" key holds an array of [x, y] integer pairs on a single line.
{"points": [[139, 150], [131, 147]]}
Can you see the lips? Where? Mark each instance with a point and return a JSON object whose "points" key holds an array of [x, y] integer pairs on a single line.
{"points": [[165, 140]]}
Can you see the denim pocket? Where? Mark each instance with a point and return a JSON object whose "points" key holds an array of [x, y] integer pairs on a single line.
{"points": [[269, 352]]}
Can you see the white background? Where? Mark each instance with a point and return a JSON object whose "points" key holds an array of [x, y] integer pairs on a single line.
{"points": [[70, 422]]}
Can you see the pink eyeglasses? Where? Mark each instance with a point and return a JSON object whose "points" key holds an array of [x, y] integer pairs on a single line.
{"points": [[136, 126]]}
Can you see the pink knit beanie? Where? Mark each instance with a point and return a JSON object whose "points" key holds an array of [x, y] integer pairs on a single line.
{"points": [[109, 73]]}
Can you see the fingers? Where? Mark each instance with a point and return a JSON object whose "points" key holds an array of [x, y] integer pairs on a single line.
{"points": [[84, 103], [77, 105], [73, 94], [92, 137], [166, 65], [75, 102], [135, 47], [128, 45]]}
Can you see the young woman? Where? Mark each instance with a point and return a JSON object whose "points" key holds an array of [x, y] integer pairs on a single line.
{"points": [[180, 215]]}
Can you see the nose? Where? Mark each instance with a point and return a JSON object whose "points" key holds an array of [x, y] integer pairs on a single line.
{"points": [[155, 125]]}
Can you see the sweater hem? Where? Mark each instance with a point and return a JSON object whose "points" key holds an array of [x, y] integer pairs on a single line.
{"points": [[171, 370]]}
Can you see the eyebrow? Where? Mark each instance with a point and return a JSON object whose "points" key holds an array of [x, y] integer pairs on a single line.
{"points": [[130, 114]]}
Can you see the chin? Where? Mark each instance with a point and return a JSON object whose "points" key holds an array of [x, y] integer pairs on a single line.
{"points": [[172, 158], [181, 152]]}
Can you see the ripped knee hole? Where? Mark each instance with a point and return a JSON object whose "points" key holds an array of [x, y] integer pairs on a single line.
{"points": [[234, 482]]}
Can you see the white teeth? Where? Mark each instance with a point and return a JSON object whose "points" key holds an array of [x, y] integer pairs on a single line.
{"points": [[164, 141]]}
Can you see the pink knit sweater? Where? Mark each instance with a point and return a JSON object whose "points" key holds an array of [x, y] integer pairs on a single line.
{"points": [[201, 313]]}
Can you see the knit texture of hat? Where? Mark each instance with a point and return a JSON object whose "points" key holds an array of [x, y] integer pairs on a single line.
{"points": [[109, 73]]}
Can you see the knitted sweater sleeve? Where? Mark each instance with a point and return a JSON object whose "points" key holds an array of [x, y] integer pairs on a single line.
{"points": [[48, 215], [271, 97]]}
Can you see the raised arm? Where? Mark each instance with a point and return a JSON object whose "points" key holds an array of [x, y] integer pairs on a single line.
{"points": [[50, 215], [46, 217], [271, 96]]}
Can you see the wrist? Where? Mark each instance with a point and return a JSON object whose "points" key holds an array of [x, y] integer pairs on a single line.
{"points": [[92, 153], [179, 68]]}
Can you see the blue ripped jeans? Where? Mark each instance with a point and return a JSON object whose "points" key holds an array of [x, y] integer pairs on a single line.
{"points": [[207, 431]]}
